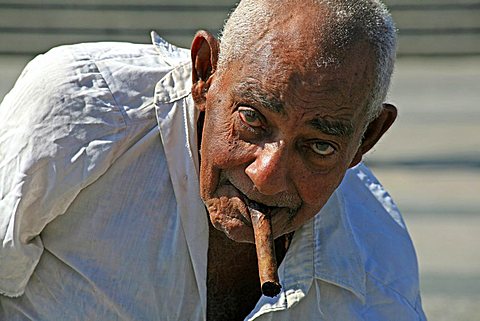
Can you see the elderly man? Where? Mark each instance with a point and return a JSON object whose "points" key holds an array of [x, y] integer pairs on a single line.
{"points": [[108, 150]]}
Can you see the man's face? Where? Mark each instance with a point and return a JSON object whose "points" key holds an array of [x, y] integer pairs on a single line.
{"points": [[279, 131]]}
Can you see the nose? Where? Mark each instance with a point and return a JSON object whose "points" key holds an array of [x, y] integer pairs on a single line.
{"points": [[268, 171]]}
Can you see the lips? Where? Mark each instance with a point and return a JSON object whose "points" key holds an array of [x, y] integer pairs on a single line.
{"points": [[262, 208], [230, 209], [233, 202], [268, 210]]}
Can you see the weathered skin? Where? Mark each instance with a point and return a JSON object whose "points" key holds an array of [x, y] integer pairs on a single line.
{"points": [[278, 129], [270, 159]]}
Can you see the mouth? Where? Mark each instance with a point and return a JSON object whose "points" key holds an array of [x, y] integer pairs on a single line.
{"points": [[264, 209], [253, 202], [230, 210]]}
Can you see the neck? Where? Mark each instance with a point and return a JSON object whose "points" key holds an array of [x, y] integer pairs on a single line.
{"points": [[233, 285]]}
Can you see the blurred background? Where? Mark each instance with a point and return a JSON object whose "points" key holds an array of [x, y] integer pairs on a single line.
{"points": [[429, 161]]}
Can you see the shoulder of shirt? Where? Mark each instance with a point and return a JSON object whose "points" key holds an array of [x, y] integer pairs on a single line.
{"points": [[129, 71], [101, 51], [380, 233]]}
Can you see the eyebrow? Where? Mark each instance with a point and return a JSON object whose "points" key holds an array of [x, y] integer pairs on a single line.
{"points": [[333, 127], [252, 92]]}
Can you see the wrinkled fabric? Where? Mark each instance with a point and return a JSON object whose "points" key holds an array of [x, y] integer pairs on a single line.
{"points": [[100, 214]]}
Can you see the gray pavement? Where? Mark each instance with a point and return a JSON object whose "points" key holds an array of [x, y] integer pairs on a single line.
{"points": [[430, 163]]}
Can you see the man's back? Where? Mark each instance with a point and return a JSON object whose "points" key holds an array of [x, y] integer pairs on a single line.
{"points": [[86, 179]]}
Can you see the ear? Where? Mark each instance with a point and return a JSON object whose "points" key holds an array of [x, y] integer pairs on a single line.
{"points": [[375, 131], [204, 53]]}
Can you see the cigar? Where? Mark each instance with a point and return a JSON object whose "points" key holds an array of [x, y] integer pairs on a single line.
{"points": [[267, 263]]}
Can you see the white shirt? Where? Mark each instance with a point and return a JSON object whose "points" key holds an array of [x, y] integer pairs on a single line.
{"points": [[101, 219]]}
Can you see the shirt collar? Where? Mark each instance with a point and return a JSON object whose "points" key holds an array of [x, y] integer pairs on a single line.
{"points": [[324, 248], [338, 257], [172, 55], [177, 124]]}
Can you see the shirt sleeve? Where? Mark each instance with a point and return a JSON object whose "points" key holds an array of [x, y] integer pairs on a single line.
{"points": [[60, 129]]}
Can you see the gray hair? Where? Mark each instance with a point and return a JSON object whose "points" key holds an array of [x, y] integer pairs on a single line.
{"points": [[348, 22]]}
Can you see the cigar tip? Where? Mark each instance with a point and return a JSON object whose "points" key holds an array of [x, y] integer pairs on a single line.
{"points": [[271, 289]]}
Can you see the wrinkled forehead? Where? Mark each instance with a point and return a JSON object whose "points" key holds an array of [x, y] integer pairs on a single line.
{"points": [[295, 68], [284, 86], [294, 57]]}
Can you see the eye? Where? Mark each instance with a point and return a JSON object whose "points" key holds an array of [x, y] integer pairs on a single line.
{"points": [[322, 148], [250, 117]]}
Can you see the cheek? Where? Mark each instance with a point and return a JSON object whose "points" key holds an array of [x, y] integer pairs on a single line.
{"points": [[315, 191], [222, 147], [215, 138]]}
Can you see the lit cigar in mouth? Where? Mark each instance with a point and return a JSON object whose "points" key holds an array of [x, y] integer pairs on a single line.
{"points": [[267, 262]]}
